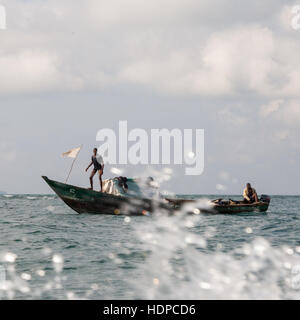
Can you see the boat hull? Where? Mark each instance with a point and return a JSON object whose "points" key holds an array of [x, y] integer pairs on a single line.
{"points": [[241, 208], [84, 200], [224, 209]]}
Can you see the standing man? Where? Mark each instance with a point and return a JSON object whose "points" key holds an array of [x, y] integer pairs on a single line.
{"points": [[98, 163], [250, 194]]}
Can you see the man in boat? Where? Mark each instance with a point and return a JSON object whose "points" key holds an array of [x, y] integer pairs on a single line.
{"points": [[98, 163], [250, 194]]}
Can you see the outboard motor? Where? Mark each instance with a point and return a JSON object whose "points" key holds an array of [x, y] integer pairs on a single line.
{"points": [[265, 198]]}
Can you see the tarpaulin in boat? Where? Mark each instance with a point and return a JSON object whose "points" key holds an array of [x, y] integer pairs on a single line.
{"points": [[139, 187]]}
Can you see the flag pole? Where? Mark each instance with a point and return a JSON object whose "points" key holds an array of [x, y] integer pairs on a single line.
{"points": [[73, 164]]}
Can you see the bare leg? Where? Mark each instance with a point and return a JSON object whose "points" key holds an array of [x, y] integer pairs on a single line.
{"points": [[100, 178], [256, 197], [91, 178]]}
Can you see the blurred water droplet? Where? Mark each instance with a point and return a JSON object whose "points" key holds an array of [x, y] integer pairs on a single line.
{"points": [[188, 239], [111, 255], [191, 154], [94, 286], [58, 262], [210, 232], [248, 230], [168, 171], [205, 285], [295, 269], [219, 246], [116, 171], [26, 276], [117, 211], [196, 211], [24, 289], [10, 257], [50, 208], [288, 250], [70, 295], [46, 251], [118, 261], [287, 265], [189, 224], [41, 273]]}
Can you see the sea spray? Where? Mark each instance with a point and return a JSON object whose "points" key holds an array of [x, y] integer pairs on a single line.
{"points": [[178, 267]]}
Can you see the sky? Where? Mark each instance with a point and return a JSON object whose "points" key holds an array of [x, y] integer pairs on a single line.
{"points": [[71, 68]]}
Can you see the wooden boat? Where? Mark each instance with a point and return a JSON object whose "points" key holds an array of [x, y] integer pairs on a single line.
{"points": [[117, 200], [228, 206], [137, 197]]}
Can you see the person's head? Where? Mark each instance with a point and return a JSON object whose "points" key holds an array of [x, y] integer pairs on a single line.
{"points": [[95, 151], [248, 185]]}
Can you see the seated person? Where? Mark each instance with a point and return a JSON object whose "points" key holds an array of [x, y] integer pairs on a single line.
{"points": [[250, 194]]}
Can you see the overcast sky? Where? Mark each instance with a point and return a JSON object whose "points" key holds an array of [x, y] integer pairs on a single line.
{"points": [[230, 67]]}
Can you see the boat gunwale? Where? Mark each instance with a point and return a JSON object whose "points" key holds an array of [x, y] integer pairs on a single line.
{"points": [[98, 194], [236, 205]]}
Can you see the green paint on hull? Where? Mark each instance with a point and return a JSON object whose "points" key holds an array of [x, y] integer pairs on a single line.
{"points": [[240, 208], [88, 201], [224, 209]]}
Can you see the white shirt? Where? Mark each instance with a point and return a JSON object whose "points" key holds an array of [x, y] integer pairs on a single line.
{"points": [[100, 159]]}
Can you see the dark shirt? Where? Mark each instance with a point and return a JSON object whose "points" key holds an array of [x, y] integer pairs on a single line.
{"points": [[250, 193], [97, 165]]}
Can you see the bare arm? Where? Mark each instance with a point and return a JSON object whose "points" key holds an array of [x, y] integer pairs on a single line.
{"points": [[89, 166], [255, 195], [245, 195]]}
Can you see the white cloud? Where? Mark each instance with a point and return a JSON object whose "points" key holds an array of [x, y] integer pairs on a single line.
{"points": [[233, 56], [285, 17], [29, 71], [290, 113], [232, 116], [240, 60], [286, 112], [176, 47], [271, 107]]}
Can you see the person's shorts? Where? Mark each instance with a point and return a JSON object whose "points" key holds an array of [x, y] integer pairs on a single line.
{"points": [[97, 168]]}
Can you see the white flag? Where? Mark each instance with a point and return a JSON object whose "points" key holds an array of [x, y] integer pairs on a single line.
{"points": [[72, 153]]}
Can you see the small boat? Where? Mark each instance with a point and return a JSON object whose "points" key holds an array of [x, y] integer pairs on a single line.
{"points": [[228, 206], [121, 196], [139, 196]]}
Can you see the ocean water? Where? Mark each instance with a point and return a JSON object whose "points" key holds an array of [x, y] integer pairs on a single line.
{"points": [[47, 251]]}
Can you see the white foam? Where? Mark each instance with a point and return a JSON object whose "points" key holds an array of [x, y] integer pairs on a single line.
{"points": [[177, 267], [31, 198]]}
